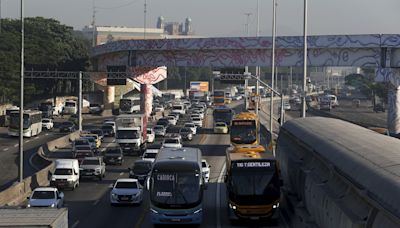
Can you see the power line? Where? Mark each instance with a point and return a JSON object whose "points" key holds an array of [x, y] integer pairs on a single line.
{"points": [[117, 7]]}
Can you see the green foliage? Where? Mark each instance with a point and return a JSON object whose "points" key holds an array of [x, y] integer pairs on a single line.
{"points": [[367, 85], [49, 45]]}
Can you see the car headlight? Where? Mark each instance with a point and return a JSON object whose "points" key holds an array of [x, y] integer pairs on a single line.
{"points": [[52, 205], [113, 195], [275, 206], [28, 205], [154, 211], [53, 179], [120, 157], [232, 206]]}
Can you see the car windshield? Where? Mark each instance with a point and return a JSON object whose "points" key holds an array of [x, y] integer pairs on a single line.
{"points": [[189, 125], [196, 119], [127, 134], [90, 162], [90, 139], [45, 121], [107, 127], [63, 172], [113, 151], [175, 189], [80, 142], [43, 195], [127, 184], [142, 167], [97, 132], [149, 155], [184, 130], [220, 125], [175, 141]]}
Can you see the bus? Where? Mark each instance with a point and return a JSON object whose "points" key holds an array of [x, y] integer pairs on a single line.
{"points": [[219, 98], [245, 130], [32, 123], [8, 114], [223, 114], [252, 185], [176, 187], [70, 107], [129, 105]]}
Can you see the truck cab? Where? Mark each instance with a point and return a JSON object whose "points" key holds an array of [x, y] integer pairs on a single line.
{"points": [[66, 174]]}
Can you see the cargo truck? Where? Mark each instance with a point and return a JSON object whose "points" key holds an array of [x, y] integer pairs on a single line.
{"points": [[132, 133], [34, 217]]}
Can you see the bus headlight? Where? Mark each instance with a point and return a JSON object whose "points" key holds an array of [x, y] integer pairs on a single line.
{"points": [[275, 206], [198, 211], [232, 206], [154, 211]]}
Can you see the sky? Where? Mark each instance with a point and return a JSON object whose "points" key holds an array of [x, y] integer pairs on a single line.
{"points": [[223, 17]]}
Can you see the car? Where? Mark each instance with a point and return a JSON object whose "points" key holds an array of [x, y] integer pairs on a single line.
{"points": [[108, 130], [47, 123], [80, 142], [112, 123], [98, 132], [68, 126], [192, 127], [173, 135], [164, 122], [113, 155], [46, 197], [205, 169], [197, 121], [195, 116], [186, 133], [172, 143], [159, 130], [287, 106], [171, 120], [176, 115], [92, 142], [198, 112], [158, 108], [126, 191], [96, 137], [95, 108], [140, 170], [150, 154], [150, 135], [221, 127], [93, 167]]}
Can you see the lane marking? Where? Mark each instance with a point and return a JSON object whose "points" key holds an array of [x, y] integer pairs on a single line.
{"points": [[15, 145], [122, 173], [28, 140], [218, 196], [75, 224], [46, 134], [5, 149]]}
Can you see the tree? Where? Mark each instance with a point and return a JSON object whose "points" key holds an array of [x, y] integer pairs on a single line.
{"points": [[49, 45]]}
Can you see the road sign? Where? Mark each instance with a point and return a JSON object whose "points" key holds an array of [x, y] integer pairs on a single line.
{"points": [[232, 78], [116, 75]]}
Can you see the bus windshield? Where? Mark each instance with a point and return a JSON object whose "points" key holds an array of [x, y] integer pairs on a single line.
{"points": [[222, 115], [175, 190], [127, 134], [14, 120], [219, 93], [244, 132], [219, 100]]}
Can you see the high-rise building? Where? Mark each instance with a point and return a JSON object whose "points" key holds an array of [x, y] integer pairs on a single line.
{"points": [[160, 22], [188, 26]]}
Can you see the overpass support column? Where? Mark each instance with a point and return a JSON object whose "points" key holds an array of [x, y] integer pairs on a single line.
{"points": [[146, 99], [109, 97]]}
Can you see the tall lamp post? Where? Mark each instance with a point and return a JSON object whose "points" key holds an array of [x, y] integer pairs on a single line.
{"points": [[271, 106], [21, 104], [303, 110], [144, 23]]}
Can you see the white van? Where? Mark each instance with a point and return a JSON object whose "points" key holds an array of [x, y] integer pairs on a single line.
{"points": [[66, 174], [333, 99], [70, 107], [179, 108]]}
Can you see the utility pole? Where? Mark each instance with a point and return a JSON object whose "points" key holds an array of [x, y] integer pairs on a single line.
{"points": [[258, 101], [145, 15], [246, 68], [94, 25], [21, 104], [272, 69], [0, 16], [247, 22], [303, 110]]}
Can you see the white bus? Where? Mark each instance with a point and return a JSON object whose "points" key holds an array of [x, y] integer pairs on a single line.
{"points": [[32, 123], [70, 107], [129, 105]]}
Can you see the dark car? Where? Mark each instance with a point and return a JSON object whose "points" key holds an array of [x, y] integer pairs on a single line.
{"points": [[163, 122], [186, 133], [108, 130], [140, 170], [67, 127], [113, 156], [98, 132], [379, 108], [95, 109]]}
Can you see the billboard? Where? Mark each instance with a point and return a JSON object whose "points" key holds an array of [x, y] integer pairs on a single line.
{"points": [[199, 86]]}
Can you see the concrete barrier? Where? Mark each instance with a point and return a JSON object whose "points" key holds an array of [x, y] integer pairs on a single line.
{"points": [[17, 193]]}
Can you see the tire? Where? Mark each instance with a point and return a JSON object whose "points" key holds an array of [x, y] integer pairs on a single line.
{"points": [[100, 178]]}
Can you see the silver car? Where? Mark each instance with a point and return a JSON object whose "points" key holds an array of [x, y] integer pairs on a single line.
{"points": [[46, 197], [126, 191]]}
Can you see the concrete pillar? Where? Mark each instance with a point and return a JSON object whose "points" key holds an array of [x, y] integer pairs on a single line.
{"points": [[393, 118], [109, 97], [146, 99]]}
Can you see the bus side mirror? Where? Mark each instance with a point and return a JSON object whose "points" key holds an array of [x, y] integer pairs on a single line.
{"points": [[148, 183]]}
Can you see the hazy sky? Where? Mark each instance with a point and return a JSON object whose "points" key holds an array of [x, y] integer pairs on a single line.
{"points": [[223, 17]]}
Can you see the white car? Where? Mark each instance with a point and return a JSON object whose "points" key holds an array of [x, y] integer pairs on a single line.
{"points": [[46, 197], [192, 126], [176, 115], [195, 116], [159, 108], [287, 106], [150, 155], [171, 120], [150, 135], [199, 113], [205, 169], [172, 143], [112, 123], [126, 191], [47, 123], [159, 130], [197, 121]]}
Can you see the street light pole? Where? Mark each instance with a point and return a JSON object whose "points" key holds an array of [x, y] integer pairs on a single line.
{"points": [[271, 106], [21, 104], [258, 68], [145, 15], [303, 110]]}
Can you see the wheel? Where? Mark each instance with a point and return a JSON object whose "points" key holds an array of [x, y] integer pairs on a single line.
{"points": [[100, 178]]}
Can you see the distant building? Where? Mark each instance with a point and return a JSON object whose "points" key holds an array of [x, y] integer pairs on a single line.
{"points": [[176, 28]]}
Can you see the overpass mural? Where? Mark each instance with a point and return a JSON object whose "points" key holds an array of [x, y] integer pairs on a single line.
{"points": [[379, 51]]}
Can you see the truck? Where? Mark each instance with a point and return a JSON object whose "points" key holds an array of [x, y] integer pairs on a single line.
{"points": [[129, 105], [132, 133], [47, 109], [34, 217]]}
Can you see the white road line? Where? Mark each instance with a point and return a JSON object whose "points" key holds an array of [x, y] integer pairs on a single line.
{"points": [[15, 145], [5, 149], [75, 224], [218, 197], [28, 140], [121, 174], [46, 134], [96, 202]]}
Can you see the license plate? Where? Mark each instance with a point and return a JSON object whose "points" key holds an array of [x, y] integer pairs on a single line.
{"points": [[254, 218], [175, 220], [124, 198]]}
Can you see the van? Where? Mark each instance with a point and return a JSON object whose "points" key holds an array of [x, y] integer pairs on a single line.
{"points": [[179, 108], [70, 107], [66, 174]]}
